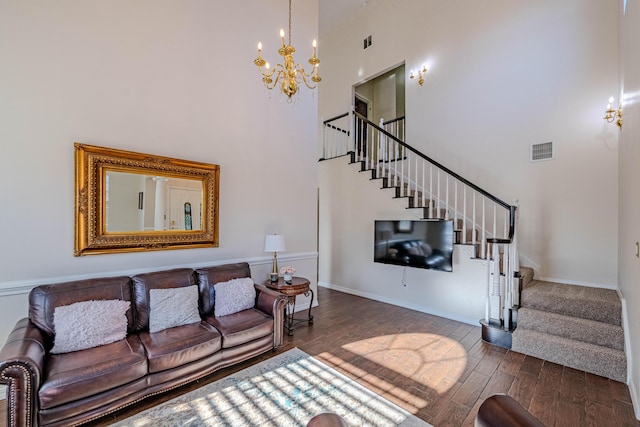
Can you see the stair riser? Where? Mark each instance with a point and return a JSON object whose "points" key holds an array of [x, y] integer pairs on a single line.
{"points": [[589, 331], [591, 358], [602, 305]]}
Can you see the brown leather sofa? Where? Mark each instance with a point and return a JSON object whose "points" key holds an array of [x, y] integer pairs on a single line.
{"points": [[79, 386]]}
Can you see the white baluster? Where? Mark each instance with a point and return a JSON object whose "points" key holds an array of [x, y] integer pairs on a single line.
{"points": [[430, 191], [464, 215], [487, 303], [508, 286], [483, 244], [415, 185], [473, 219], [455, 204], [496, 294], [439, 198], [446, 214], [423, 198], [495, 230]]}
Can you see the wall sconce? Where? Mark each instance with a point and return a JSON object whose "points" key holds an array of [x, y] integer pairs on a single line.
{"points": [[611, 114], [421, 74]]}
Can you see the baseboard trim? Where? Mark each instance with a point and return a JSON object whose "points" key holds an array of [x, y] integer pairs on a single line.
{"points": [[576, 282], [635, 399], [24, 286], [375, 297]]}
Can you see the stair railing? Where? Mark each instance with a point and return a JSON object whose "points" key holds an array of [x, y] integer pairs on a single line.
{"points": [[480, 218], [395, 127]]}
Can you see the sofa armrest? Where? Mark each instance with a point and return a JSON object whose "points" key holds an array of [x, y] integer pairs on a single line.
{"points": [[503, 410], [272, 303], [22, 362]]}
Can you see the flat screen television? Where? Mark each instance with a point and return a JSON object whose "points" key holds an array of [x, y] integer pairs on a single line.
{"points": [[419, 244]]}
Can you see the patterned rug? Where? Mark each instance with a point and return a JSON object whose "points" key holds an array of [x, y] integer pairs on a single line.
{"points": [[285, 390]]}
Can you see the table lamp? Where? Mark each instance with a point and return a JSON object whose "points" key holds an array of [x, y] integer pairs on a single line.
{"points": [[274, 243]]}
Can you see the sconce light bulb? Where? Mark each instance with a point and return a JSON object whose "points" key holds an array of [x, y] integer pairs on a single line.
{"points": [[315, 43], [259, 46], [266, 65], [611, 100]]}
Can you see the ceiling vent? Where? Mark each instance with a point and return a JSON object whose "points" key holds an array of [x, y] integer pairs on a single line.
{"points": [[543, 151]]}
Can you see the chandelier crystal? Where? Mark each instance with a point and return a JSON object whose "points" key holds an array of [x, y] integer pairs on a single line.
{"points": [[290, 75]]}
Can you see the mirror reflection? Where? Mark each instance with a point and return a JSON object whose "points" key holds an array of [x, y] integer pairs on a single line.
{"points": [[139, 202], [131, 202]]}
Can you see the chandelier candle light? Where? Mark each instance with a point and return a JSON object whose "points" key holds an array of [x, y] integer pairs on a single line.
{"points": [[290, 74]]}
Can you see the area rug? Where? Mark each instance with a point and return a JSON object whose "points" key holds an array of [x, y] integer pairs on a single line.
{"points": [[285, 390]]}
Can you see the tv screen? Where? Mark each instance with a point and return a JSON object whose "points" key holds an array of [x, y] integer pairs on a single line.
{"points": [[420, 244]]}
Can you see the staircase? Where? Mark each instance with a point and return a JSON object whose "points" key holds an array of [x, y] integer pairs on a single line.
{"points": [[575, 326], [480, 218]]}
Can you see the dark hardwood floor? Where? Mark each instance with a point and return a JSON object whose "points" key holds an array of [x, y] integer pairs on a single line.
{"points": [[436, 368]]}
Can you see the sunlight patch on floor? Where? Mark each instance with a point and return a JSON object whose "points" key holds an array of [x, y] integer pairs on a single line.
{"points": [[431, 360], [397, 395]]}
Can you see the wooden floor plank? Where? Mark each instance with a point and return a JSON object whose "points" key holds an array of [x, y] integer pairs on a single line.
{"points": [[522, 388], [500, 382], [573, 386]]}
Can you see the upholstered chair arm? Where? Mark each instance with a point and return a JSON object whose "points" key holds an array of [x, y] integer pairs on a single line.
{"points": [[21, 365], [272, 303]]}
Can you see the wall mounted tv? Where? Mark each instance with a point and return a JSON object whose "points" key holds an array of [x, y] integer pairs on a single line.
{"points": [[420, 244]]}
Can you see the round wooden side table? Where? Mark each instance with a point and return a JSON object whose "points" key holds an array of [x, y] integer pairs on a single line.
{"points": [[297, 286]]}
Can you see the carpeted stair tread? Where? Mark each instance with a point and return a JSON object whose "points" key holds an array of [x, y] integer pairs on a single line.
{"points": [[602, 305], [595, 359], [576, 328]]}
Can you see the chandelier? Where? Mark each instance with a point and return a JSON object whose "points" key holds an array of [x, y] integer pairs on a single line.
{"points": [[290, 75]]}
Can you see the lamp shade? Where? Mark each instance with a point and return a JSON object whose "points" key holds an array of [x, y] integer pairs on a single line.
{"points": [[274, 243]]}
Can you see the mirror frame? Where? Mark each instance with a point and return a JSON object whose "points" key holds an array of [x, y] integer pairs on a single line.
{"points": [[91, 236]]}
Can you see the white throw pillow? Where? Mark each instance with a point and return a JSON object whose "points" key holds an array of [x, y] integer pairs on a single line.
{"points": [[234, 296], [88, 324], [173, 307]]}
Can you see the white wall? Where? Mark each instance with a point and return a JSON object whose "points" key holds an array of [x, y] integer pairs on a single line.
{"points": [[164, 77], [502, 75], [629, 176], [347, 218]]}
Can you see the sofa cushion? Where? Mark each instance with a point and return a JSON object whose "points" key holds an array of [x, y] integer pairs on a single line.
{"points": [[88, 324], [177, 346], [44, 299], [172, 307], [143, 283], [72, 376], [242, 327], [209, 276], [234, 296]]}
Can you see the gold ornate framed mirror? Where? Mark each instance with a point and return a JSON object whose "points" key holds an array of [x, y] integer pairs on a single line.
{"points": [[131, 202]]}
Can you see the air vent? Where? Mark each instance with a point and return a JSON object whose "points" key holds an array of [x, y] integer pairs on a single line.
{"points": [[543, 151]]}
